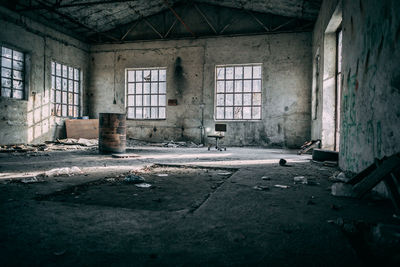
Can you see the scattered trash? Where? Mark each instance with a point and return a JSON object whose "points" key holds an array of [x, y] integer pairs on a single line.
{"points": [[339, 177], [143, 185], [134, 179], [339, 221], [225, 173], [281, 186], [59, 252], [63, 172], [342, 190], [162, 174], [111, 180], [266, 178], [330, 163], [125, 156], [300, 179], [282, 162], [30, 180], [261, 187]]}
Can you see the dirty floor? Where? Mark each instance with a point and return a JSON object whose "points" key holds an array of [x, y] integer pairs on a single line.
{"points": [[203, 208]]}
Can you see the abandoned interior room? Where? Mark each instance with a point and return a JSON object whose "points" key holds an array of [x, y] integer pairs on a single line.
{"points": [[200, 132]]}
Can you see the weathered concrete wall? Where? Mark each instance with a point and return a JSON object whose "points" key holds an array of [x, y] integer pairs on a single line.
{"points": [[30, 120], [286, 60], [370, 117]]}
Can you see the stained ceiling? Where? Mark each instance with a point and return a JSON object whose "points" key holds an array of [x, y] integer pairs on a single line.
{"points": [[101, 21]]}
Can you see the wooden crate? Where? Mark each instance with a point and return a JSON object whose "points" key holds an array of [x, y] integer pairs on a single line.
{"points": [[88, 129]]}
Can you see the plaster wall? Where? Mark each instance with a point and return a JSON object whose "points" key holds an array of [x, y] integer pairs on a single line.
{"points": [[286, 73], [371, 80], [30, 120]]}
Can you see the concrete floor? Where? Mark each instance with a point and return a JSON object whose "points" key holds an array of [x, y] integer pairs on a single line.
{"points": [[194, 216]]}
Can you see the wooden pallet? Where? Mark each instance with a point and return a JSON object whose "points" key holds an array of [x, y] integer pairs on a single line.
{"points": [[386, 170]]}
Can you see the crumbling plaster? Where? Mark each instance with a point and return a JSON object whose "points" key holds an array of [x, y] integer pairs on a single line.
{"points": [[371, 80], [286, 68], [30, 120]]}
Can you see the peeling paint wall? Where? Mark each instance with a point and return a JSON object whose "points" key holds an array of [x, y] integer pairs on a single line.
{"points": [[30, 120], [286, 77], [371, 80]]}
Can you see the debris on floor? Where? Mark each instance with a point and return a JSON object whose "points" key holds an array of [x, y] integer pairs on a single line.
{"points": [[143, 185], [125, 156], [282, 162], [21, 148], [261, 187], [265, 178], [63, 172], [339, 177], [30, 180], [134, 179], [342, 190], [175, 144], [330, 163], [224, 173], [307, 146], [281, 186], [162, 174], [300, 179]]}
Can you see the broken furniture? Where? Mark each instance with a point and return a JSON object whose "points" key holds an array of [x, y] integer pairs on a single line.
{"points": [[112, 133], [307, 146], [220, 129], [386, 170], [82, 128]]}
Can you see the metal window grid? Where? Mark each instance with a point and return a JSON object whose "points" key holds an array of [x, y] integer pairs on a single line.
{"points": [[66, 90], [146, 93], [232, 100], [12, 74]]}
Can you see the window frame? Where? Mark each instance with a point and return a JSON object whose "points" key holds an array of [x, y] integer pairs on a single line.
{"points": [[24, 70], [53, 94], [233, 92], [158, 93]]}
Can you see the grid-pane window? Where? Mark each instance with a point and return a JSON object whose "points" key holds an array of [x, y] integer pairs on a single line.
{"points": [[238, 91], [12, 73], [146, 93], [66, 90]]}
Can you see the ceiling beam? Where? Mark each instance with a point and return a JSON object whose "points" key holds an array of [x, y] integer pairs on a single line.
{"points": [[76, 4], [153, 28], [257, 20], [205, 18], [50, 8], [179, 18]]}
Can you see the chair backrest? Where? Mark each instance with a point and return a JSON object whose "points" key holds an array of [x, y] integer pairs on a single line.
{"points": [[219, 127]]}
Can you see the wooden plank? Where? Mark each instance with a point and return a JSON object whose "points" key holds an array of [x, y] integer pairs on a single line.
{"points": [[88, 129], [356, 179], [391, 185], [125, 156], [380, 173]]}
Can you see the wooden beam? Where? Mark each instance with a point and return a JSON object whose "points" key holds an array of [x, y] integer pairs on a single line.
{"points": [[376, 176]]}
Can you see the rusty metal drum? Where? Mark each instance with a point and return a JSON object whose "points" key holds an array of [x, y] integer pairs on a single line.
{"points": [[112, 133]]}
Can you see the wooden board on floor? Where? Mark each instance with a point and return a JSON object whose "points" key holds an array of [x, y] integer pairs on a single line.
{"points": [[88, 129], [123, 156]]}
